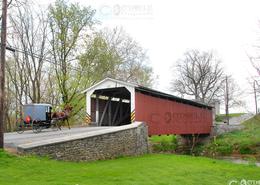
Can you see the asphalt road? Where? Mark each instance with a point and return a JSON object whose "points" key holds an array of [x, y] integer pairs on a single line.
{"points": [[14, 139]]}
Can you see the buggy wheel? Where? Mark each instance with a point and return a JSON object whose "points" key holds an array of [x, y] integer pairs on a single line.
{"points": [[19, 126], [36, 127]]}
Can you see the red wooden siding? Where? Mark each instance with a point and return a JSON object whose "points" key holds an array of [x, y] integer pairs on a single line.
{"points": [[169, 117]]}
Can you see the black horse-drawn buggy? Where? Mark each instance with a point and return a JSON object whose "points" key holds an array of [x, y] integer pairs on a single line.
{"points": [[40, 116]]}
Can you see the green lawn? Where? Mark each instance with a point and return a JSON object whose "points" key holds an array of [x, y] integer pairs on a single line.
{"points": [[246, 141], [157, 169]]}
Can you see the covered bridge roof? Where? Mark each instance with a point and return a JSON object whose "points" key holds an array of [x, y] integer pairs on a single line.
{"points": [[163, 95], [150, 92]]}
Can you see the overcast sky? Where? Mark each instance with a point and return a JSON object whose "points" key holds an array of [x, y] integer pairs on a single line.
{"points": [[166, 29]]}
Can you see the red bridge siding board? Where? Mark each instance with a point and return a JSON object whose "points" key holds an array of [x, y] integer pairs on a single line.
{"points": [[169, 117]]}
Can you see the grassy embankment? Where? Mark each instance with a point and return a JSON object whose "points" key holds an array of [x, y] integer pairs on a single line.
{"points": [[243, 143]]}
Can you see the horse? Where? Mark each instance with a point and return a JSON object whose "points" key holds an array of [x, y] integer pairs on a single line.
{"points": [[63, 115]]}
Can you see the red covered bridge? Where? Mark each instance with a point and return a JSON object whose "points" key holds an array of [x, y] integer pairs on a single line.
{"points": [[113, 103]]}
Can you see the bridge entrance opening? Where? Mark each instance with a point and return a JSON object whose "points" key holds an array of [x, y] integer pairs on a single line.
{"points": [[111, 107]]}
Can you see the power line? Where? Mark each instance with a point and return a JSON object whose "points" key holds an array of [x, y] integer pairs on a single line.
{"points": [[40, 57]]}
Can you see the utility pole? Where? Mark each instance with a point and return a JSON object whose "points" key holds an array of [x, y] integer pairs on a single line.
{"points": [[255, 98], [227, 101], [2, 71]]}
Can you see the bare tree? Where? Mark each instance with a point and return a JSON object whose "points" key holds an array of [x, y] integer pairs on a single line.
{"points": [[16, 72], [14, 4], [254, 58], [232, 95], [29, 34], [10, 101], [198, 74]]}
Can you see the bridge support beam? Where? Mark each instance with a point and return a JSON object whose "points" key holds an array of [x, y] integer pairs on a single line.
{"points": [[188, 142]]}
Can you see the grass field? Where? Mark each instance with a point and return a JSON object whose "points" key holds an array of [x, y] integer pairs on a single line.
{"points": [[245, 141], [157, 169]]}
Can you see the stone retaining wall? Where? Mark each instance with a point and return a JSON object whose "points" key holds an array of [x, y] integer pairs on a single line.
{"points": [[128, 140]]}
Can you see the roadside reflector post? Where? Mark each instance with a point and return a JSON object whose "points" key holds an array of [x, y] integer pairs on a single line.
{"points": [[97, 109]]}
